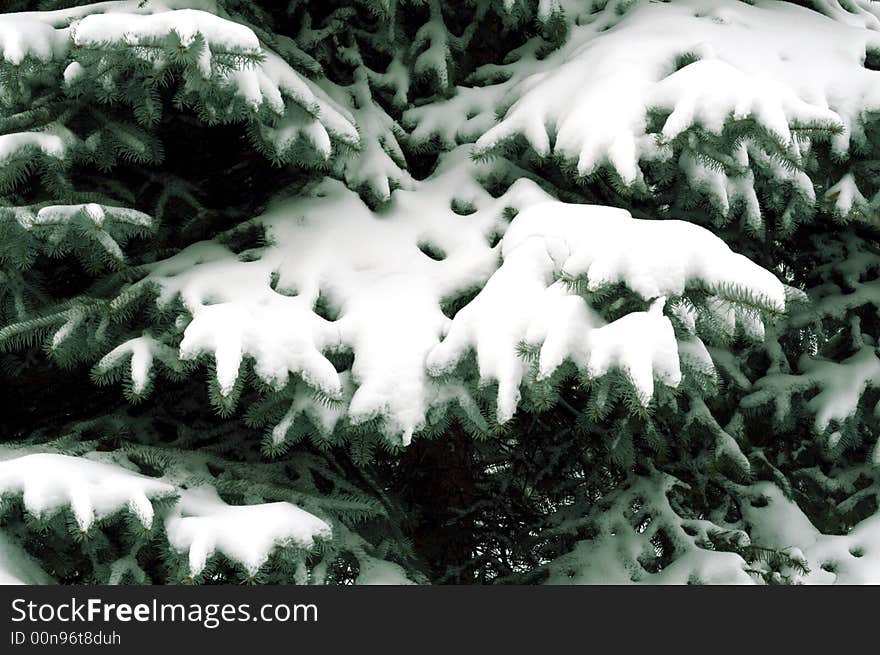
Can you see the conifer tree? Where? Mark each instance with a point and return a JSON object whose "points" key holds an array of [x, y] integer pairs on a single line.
{"points": [[494, 291]]}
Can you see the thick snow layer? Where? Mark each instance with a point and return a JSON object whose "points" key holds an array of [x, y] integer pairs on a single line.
{"points": [[202, 524], [52, 141], [783, 66], [91, 489], [24, 36], [45, 35], [846, 196], [133, 29], [774, 62], [368, 266], [607, 246], [653, 258], [311, 115], [385, 274]]}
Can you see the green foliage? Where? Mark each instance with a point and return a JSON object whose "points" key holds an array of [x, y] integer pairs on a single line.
{"points": [[126, 181]]}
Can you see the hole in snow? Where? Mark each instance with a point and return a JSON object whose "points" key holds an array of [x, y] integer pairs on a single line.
{"points": [[831, 567], [760, 501], [249, 256], [494, 238], [451, 306], [430, 250], [245, 237], [422, 164], [684, 59], [146, 467], [325, 309], [655, 119], [463, 207], [662, 555], [495, 186], [857, 551], [284, 291], [342, 359], [872, 60], [690, 530]]}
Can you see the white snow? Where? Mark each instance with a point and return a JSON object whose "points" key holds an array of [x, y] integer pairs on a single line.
{"points": [[202, 524], [369, 268], [45, 35], [93, 490], [23, 36], [653, 258], [97, 29], [140, 353], [622, 541], [311, 115], [850, 559], [846, 196], [199, 524], [52, 141], [781, 65]]}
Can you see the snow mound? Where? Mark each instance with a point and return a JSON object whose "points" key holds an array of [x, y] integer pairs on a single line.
{"points": [[93, 490], [203, 524], [199, 524], [54, 141], [702, 67], [607, 246], [228, 53], [339, 277]]}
